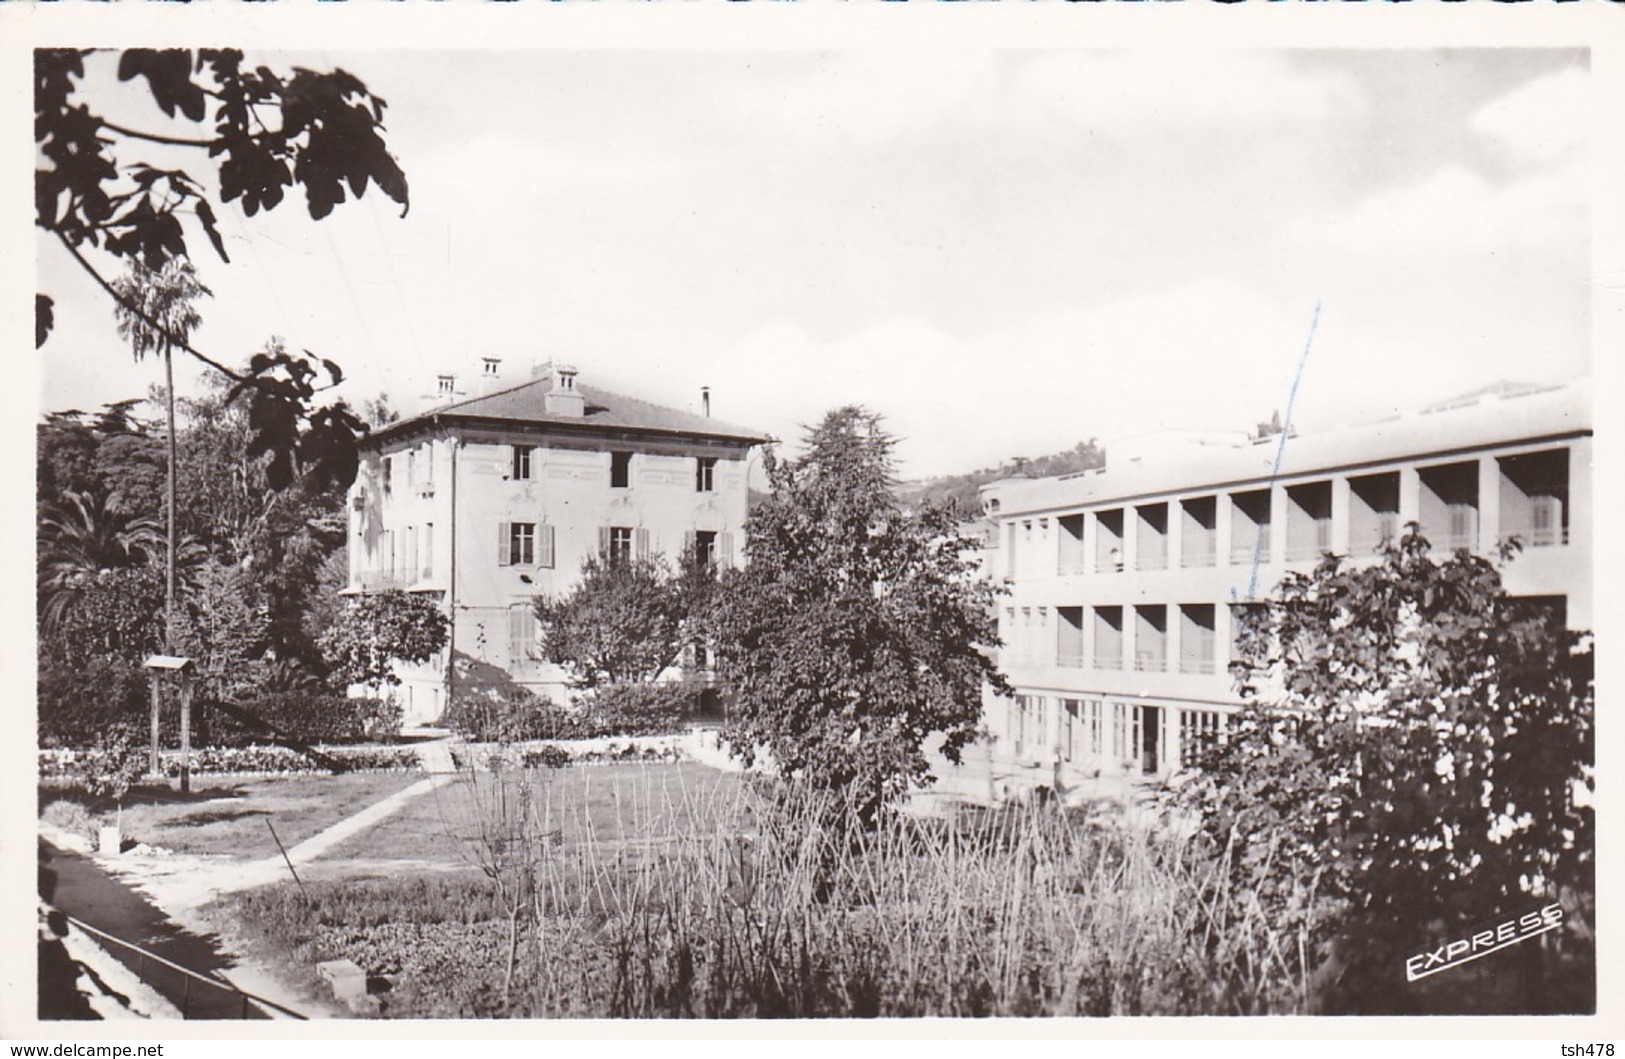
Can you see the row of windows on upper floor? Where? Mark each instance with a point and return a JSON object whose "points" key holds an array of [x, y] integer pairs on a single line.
{"points": [[1098, 637], [1532, 504], [409, 556], [521, 465], [1146, 635]]}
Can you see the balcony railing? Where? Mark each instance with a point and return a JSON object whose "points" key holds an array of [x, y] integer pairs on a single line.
{"points": [[1150, 662], [1196, 665], [1108, 662], [1199, 552], [1069, 657], [1152, 560]]}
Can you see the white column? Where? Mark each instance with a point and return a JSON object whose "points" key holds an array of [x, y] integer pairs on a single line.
{"points": [[1489, 504], [1340, 515], [1410, 498], [1278, 518]]}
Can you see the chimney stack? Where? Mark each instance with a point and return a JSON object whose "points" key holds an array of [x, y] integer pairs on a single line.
{"points": [[562, 398], [705, 400], [490, 375]]}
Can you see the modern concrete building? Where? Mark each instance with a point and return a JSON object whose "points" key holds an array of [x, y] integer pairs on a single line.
{"points": [[1125, 582], [487, 501]]}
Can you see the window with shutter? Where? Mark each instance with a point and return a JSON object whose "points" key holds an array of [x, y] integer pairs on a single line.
{"points": [[504, 545], [642, 543], [521, 635], [620, 544], [544, 547], [522, 546], [604, 539], [725, 550]]}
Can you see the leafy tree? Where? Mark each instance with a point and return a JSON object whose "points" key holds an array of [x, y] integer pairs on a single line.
{"points": [[1408, 767], [622, 623], [282, 539], [80, 539], [267, 132], [381, 628], [155, 311], [857, 629]]}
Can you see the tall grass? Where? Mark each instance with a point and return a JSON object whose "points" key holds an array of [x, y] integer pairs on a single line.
{"points": [[672, 901]]}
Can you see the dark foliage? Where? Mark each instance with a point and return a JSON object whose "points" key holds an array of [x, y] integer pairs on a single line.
{"points": [[266, 132], [856, 631], [1414, 763]]}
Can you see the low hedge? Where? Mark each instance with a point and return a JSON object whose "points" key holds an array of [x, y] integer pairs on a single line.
{"points": [[616, 710], [67, 764], [494, 756]]}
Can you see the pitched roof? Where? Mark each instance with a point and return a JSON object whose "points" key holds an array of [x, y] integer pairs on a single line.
{"points": [[523, 403]]}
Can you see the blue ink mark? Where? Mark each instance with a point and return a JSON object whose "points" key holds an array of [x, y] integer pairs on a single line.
{"points": [[1280, 449]]}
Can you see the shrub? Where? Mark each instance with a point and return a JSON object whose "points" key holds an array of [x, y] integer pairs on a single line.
{"points": [[640, 709], [513, 717], [311, 716], [78, 702], [60, 764]]}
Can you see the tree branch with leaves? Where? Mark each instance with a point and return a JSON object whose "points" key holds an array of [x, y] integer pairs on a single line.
{"points": [[265, 132]]}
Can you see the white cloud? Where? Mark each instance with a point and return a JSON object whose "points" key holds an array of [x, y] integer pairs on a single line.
{"points": [[1542, 120], [1209, 355], [1198, 90], [1457, 211]]}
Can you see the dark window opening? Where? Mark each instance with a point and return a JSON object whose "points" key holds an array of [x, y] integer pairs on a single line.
{"points": [[620, 469]]}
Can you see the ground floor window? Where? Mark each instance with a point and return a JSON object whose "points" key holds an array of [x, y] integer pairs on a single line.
{"points": [[1199, 731]]}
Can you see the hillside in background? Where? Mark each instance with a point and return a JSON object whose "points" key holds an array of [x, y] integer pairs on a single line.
{"points": [[961, 489]]}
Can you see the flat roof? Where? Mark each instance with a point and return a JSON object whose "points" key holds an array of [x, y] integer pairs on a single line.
{"points": [[1497, 417]]}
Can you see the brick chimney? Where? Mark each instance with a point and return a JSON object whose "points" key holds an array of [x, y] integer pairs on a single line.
{"points": [[562, 398]]}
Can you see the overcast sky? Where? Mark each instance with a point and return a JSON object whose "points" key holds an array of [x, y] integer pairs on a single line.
{"points": [[1003, 252]]}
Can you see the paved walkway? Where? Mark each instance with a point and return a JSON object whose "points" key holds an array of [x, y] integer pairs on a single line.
{"points": [[79, 887], [139, 898]]}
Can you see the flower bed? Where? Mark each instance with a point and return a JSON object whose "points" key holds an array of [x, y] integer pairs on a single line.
{"points": [[65, 765], [560, 753]]}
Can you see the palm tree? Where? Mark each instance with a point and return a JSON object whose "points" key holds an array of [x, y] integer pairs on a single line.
{"points": [[155, 314], [80, 536]]}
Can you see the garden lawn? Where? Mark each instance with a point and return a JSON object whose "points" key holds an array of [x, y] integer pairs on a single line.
{"points": [[228, 815], [610, 805]]}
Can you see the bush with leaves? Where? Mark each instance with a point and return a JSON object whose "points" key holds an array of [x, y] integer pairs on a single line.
{"points": [[622, 623], [858, 629], [511, 717], [80, 700], [1413, 763], [114, 764], [377, 630], [312, 716], [658, 708]]}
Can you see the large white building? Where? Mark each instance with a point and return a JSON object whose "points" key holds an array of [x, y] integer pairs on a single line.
{"points": [[1124, 582], [487, 502]]}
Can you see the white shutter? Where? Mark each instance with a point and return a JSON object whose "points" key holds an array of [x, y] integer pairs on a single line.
{"points": [[544, 546], [642, 543], [603, 540], [725, 550], [504, 544]]}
